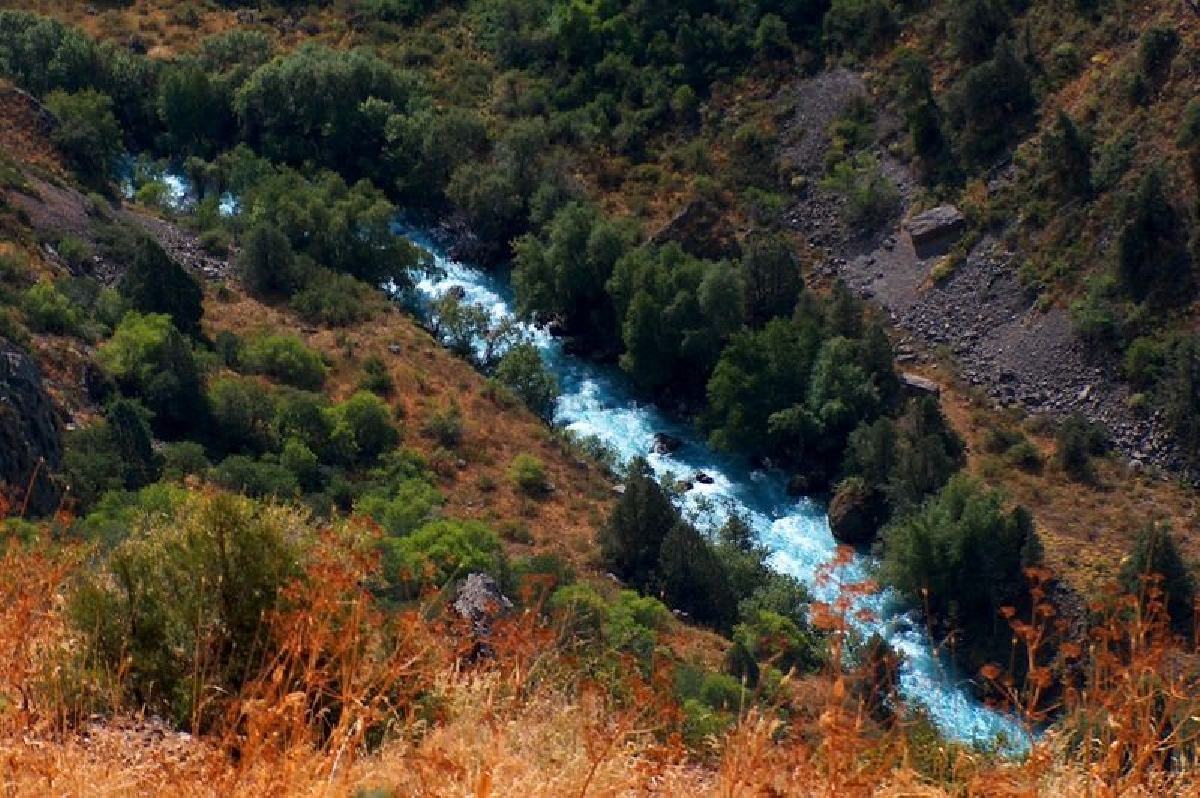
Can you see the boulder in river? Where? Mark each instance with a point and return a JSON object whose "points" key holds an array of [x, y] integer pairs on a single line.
{"points": [[665, 443], [703, 478], [30, 439], [856, 513], [933, 231]]}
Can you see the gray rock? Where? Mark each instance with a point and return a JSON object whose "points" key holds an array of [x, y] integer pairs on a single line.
{"points": [[665, 443], [933, 231], [479, 600], [916, 385], [31, 446]]}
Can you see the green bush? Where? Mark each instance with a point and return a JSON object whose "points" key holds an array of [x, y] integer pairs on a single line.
{"points": [[523, 372], [86, 132], [375, 377], [243, 414], [960, 559], [287, 359], [1075, 443], [528, 473], [178, 608], [48, 310], [366, 420], [256, 478], [445, 426], [183, 459], [440, 551], [336, 300], [266, 263], [154, 282], [1156, 562], [151, 360]]}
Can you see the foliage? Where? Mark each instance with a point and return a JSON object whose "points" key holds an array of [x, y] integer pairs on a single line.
{"points": [[178, 606], [529, 475], [242, 413], [376, 378], [523, 372], [960, 559], [266, 262], [336, 300], [1076, 441], [285, 358], [438, 552], [151, 360], [86, 132], [870, 198], [1153, 259], [154, 282], [1156, 564], [367, 422], [48, 310]]}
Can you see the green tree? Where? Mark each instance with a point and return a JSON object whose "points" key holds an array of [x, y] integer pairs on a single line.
{"points": [[154, 282], [86, 132], [151, 361], [266, 263], [960, 559], [1152, 253], [1157, 563], [631, 538], [524, 373], [771, 278], [367, 420], [1067, 159], [285, 358]]}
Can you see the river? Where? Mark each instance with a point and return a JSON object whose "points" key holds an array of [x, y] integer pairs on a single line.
{"points": [[598, 401]]}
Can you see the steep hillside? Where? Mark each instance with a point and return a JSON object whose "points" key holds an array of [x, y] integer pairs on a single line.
{"points": [[249, 486]]}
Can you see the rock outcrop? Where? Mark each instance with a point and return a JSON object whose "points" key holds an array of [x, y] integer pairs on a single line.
{"points": [[933, 231], [665, 443], [855, 513], [31, 447]]}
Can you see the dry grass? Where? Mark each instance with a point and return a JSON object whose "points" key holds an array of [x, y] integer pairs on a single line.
{"points": [[356, 699]]}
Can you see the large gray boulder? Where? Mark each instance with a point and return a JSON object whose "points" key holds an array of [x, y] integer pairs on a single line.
{"points": [[933, 231], [31, 447], [855, 513]]}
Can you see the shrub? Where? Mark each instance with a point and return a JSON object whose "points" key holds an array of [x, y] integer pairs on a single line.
{"points": [[178, 608], [870, 196], [86, 132], [216, 242], [266, 263], [183, 459], [255, 478], [528, 473], [287, 359], [440, 551], [960, 559], [149, 359], [445, 425], [524, 373], [336, 300], [375, 377], [1077, 440], [48, 310], [1156, 563], [243, 413], [367, 421], [302, 463], [154, 282]]}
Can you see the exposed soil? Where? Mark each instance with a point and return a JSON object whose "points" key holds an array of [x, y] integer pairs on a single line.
{"points": [[1003, 343]]}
